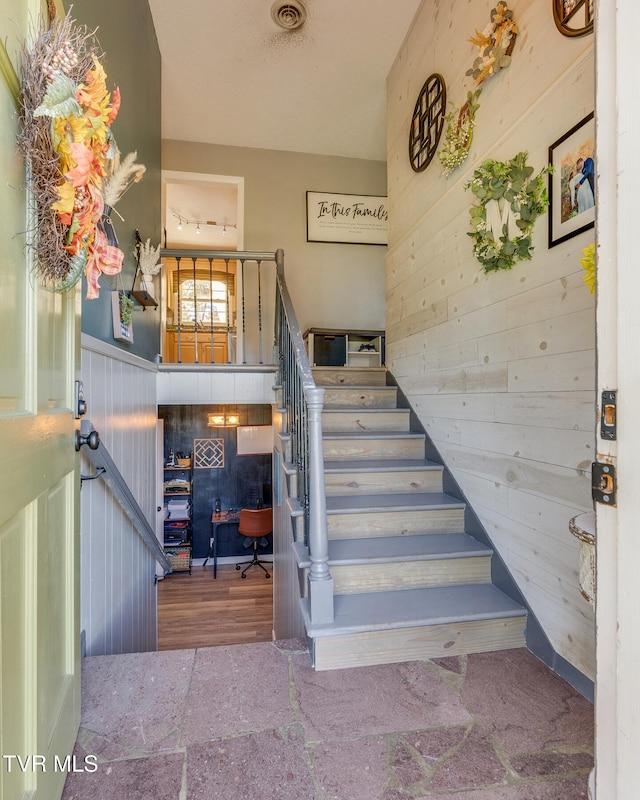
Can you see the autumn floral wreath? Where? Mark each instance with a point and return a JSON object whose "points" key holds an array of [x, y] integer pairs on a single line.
{"points": [[72, 159], [495, 44]]}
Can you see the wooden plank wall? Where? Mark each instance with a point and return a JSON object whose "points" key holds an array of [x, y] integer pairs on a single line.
{"points": [[118, 606], [500, 368]]}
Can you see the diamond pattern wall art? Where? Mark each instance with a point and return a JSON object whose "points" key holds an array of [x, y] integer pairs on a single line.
{"points": [[208, 453]]}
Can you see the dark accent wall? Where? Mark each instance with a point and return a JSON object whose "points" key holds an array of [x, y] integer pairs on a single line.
{"points": [[132, 61], [243, 482]]}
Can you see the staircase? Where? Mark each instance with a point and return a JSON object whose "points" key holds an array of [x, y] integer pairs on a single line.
{"points": [[409, 583]]}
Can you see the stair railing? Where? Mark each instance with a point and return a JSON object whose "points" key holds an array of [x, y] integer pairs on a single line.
{"points": [[107, 470], [303, 401]]}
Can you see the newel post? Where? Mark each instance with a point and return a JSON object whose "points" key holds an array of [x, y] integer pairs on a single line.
{"points": [[280, 262], [320, 580]]}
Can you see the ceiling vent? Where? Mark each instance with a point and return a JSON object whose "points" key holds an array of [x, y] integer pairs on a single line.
{"points": [[290, 16]]}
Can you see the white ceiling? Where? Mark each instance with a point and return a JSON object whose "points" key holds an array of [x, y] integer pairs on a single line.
{"points": [[230, 76], [193, 203]]}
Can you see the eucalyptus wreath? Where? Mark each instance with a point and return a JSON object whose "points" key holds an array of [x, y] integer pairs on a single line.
{"points": [[460, 124], [520, 197]]}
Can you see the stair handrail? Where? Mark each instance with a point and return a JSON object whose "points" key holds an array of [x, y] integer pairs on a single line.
{"points": [[107, 470], [303, 401]]}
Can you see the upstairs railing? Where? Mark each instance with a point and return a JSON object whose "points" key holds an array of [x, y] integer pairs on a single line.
{"points": [[219, 306], [303, 401]]}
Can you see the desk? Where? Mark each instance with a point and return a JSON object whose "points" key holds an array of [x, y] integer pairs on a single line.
{"points": [[217, 519]]}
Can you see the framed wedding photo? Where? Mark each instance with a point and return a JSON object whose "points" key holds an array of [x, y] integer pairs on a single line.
{"points": [[572, 183]]}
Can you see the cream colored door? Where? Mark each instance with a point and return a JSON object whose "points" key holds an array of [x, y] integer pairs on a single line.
{"points": [[39, 482]]}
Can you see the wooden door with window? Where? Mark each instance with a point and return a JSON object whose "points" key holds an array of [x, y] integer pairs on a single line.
{"points": [[39, 480], [202, 308]]}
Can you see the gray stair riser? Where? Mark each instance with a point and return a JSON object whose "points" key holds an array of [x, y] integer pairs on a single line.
{"points": [[366, 524], [351, 376], [357, 420], [410, 574], [396, 482], [362, 397], [367, 449], [420, 643], [297, 528]]}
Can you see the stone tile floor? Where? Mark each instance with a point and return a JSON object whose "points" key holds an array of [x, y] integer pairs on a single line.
{"points": [[256, 722]]}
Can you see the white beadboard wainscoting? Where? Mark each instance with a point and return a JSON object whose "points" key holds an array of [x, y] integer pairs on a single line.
{"points": [[500, 368], [122, 392], [118, 603], [199, 384]]}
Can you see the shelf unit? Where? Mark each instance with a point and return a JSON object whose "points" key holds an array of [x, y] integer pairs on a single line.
{"points": [[364, 350], [344, 348], [178, 486]]}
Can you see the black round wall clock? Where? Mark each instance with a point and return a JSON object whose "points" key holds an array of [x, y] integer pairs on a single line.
{"points": [[573, 17], [427, 122]]}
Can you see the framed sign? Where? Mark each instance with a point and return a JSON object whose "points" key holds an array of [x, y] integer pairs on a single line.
{"points": [[572, 187], [346, 218]]}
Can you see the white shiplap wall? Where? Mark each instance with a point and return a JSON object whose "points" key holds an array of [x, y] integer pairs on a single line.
{"points": [[118, 607], [500, 368]]}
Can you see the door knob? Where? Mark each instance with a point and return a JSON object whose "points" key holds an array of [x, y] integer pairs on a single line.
{"points": [[92, 439]]}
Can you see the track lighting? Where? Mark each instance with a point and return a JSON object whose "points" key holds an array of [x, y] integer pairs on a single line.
{"points": [[198, 222]]}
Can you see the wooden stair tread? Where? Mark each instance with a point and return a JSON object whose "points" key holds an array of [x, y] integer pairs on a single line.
{"points": [[355, 387], [321, 372], [370, 434], [351, 397], [353, 375], [414, 607], [365, 410], [353, 504], [382, 465], [398, 548]]}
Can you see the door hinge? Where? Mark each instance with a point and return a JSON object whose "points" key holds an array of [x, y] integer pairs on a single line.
{"points": [[603, 483], [608, 416]]}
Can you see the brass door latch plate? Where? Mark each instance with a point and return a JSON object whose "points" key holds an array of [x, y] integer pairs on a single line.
{"points": [[603, 483]]}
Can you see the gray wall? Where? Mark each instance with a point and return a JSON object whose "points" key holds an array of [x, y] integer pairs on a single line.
{"points": [[132, 62], [118, 609], [118, 595], [332, 285]]}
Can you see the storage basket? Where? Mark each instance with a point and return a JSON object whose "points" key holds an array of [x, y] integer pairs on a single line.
{"points": [[179, 558], [583, 528], [184, 462]]}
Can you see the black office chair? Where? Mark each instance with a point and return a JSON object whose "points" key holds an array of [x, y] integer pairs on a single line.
{"points": [[255, 523]]}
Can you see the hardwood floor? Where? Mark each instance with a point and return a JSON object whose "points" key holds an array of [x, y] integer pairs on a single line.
{"points": [[196, 611]]}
